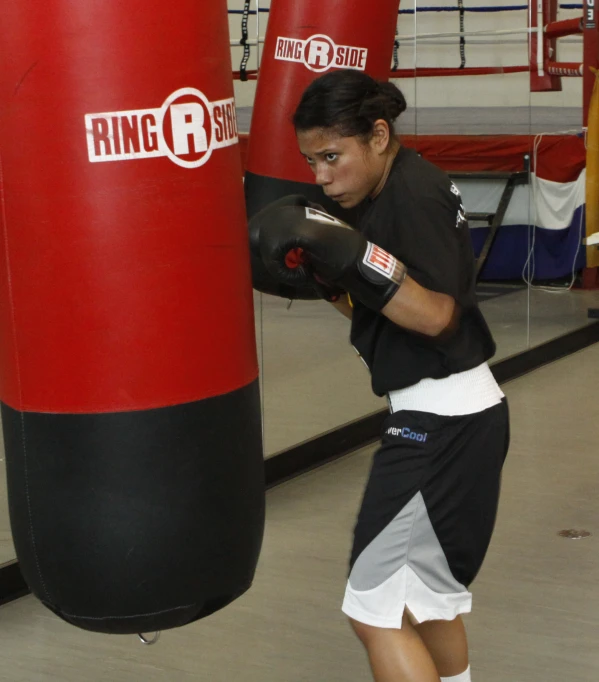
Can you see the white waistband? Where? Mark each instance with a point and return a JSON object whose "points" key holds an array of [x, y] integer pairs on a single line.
{"points": [[464, 393]]}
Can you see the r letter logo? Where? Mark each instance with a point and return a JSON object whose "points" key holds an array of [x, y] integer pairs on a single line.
{"points": [[186, 129]]}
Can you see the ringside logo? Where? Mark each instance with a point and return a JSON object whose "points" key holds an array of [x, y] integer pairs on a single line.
{"points": [[186, 129], [319, 53]]}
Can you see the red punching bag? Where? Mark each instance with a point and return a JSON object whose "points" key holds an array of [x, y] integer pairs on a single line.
{"points": [[305, 39], [128, 370]]}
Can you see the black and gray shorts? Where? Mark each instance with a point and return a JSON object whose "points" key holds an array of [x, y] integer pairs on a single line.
{"points": [[427, 516]]}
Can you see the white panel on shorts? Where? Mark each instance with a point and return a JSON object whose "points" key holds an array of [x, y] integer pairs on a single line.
{"points": [[404, 567]]}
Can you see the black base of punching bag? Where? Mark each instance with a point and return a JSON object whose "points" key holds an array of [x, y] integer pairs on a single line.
{"points": [[261, 191], [140, 521]]}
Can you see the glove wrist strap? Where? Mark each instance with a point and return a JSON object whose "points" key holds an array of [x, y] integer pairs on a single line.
{"points": [[378, 265]]}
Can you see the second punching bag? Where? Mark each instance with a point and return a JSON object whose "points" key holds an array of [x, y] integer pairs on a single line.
{"points": [[304, 39], [128, 368]]}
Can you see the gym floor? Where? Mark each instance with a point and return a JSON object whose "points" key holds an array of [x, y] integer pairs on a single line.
{"points": [[536, 601]]}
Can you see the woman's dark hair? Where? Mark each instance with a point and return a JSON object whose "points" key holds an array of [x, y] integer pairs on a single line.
{"points": [[349, 102]]}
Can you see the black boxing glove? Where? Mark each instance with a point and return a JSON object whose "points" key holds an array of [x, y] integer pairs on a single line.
{"points": [[305, 287], [296, 241]]}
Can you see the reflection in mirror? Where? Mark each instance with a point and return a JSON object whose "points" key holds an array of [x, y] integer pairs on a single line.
{"points": [[312, 379], [473, 120], [561, 270], [510, 132], [456, 121], [476, 110]]}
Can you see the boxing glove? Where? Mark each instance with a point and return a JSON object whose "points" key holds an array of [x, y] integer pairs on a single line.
{"points": [[305, 286], [298, 240]]}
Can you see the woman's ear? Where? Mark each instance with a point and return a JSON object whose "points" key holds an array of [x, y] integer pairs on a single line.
{"points": [[380, 135]]}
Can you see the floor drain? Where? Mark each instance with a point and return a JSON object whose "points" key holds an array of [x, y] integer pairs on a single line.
{"points": [[574, 534]]}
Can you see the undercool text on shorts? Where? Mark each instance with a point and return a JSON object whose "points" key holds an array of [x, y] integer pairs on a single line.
{"points": [[405, 432]]}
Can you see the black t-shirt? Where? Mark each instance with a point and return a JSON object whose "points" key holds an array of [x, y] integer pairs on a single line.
{"points": [[419, 218]]}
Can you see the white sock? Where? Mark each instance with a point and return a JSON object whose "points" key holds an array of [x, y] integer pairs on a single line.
{"points": [[464, 677]]}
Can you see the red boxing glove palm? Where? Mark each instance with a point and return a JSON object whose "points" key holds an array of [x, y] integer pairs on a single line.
{"points": [[304, 285]]}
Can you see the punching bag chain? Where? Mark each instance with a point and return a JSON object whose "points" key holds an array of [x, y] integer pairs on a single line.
{"points": [[462, 38], [244, 41]]}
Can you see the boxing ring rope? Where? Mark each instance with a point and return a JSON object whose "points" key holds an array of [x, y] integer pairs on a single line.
{"points": [[545, 71], [432, 72], [455, 34]]}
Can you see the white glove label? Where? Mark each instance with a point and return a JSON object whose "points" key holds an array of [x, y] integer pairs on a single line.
{"points": [[378, 259], [321, 217]]}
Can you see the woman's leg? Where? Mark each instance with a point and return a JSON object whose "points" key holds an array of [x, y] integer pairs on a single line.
{"points": [[447, 644], [396, 655]]}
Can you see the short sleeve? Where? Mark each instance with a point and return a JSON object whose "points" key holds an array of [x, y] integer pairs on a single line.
{"points": [[434, 241]]}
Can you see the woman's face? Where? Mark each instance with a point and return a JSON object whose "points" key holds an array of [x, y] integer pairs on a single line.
{"points": [[347, 169]]}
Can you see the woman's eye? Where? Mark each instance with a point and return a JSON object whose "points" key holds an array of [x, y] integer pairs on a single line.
{"points": [[310, 161], [331, 157]]}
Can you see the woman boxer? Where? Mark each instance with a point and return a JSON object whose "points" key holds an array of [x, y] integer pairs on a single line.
{"points": [[429, 507]]}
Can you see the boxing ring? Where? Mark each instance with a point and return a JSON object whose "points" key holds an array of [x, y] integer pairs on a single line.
{"points": [[521, 169]]}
